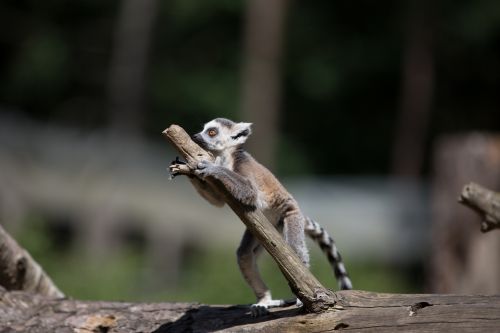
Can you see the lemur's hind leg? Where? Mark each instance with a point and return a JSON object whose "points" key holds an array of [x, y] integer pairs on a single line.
{"points": [[293, 232], [247, 254]]}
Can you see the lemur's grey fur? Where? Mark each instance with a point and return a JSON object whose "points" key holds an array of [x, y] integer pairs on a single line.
{"points": [[255, 186]]}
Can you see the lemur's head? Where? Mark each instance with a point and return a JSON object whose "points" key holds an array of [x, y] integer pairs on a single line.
{"points": [[220, 134]]}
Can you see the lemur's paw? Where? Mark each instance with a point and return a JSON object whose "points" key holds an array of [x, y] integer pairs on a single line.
{"points": [[177, 161], [204, 169], [262, 308], [299, 303], [178, 167], [259, 310]]}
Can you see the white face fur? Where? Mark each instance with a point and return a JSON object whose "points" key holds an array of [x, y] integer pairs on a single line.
{"points": [[220, 134]]}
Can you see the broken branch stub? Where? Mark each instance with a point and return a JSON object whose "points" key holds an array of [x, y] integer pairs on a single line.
{"points": [[485, 202], [19, 271], [306, 287], [191, 152]]}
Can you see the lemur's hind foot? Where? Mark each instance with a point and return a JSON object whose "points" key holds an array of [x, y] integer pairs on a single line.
{"points": [[262, 307]]}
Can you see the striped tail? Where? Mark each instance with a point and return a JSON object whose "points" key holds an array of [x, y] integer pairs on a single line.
{"points": [[320, 236]]}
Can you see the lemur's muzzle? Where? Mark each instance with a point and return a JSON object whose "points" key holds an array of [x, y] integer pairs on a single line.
{"points": [[196, 137], [199, 140]]}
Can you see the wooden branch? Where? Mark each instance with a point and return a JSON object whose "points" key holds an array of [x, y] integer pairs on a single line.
{"points": [[485, 202], [305, 286], [362, 311], [18, 270]]}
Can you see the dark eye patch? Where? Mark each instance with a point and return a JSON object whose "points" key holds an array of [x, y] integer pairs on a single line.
{"points": [[240, 134], [212, 131]]}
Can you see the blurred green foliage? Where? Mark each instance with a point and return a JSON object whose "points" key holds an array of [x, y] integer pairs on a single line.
{"points": [[208, 275]]}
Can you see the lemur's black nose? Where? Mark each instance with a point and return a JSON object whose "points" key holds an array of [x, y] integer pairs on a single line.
{"points": [[196, 138]]}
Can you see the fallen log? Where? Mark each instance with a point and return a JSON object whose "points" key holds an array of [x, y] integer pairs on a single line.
{"points": [[357, 311]]}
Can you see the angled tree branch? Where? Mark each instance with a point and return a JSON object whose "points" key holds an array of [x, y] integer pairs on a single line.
{"points": [[18, 270], [485, 202], [306, 287]]}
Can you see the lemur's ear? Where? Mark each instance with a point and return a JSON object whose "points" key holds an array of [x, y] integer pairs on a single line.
{"points": [[242, 131]]}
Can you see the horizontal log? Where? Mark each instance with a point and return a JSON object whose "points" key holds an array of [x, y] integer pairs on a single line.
{"points": [[356, 311]]}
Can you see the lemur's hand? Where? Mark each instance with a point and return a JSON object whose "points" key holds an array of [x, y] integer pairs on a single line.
{"points": [[178, 167], [204, 169]]}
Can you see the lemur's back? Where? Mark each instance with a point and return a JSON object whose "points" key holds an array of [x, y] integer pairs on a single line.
{"points": [[275, 194]]}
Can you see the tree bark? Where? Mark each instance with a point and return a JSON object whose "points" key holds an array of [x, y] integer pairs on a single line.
{"points": [[416, 90], [18, 270], [261, 77], [127, 77], [305, 286], [361, 311], [485, 202]]}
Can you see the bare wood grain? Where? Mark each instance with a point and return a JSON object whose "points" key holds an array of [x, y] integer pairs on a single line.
{"points": [[181, 141], [361, 312], [306, 287]]}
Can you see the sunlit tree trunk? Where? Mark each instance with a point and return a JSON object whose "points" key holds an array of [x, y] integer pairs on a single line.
{"points": [[128, 64], [416, 91], [261, 85]]}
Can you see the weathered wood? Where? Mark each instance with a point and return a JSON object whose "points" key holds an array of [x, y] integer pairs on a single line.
{"points": [[361, 311], [181, 141], [464, 260], [485, 202], [306, 287], [18, 270]]}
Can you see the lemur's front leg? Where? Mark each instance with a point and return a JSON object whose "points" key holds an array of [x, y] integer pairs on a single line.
{"points": [[241, 188]]}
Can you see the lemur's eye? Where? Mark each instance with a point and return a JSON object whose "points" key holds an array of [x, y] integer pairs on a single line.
{"points": [[212, 132]]}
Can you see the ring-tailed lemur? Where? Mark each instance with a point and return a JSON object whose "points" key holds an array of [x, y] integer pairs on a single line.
{"points": [[254, 185]]}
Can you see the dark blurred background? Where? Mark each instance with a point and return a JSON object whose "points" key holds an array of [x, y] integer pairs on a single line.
{"points": [[374, 114]]}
